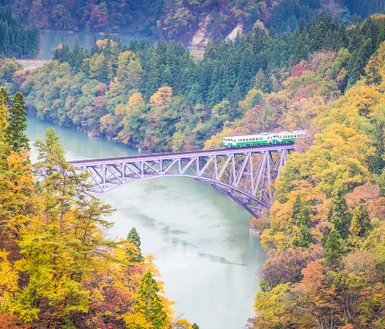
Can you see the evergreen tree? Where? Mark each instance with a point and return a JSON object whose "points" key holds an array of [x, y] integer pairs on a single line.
{"points": [[340, 216], [134, 238], [149, 303], [300, 44], [297, 206], [15, 130], [103, 72], [235, 97], [94, 48], [246, 71], [304, 236], [333, 246]]}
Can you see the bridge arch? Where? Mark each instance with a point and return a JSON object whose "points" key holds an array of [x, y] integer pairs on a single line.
{"points": [[246, 175]]}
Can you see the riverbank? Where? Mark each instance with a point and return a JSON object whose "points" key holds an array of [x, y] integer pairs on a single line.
{"points": [[187, 226]]}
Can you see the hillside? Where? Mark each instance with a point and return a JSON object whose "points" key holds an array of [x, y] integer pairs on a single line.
{"points": [[181, 20], [158, 99], [325, 231]]}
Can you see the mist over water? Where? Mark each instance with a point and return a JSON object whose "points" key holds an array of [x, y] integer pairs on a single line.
{"points": [[199, 237]]}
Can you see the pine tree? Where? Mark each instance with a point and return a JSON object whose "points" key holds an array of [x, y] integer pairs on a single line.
{"points": [[340, 216], [15, 130], [333, 246], [103, 73], [134, 238], [149, 303]]}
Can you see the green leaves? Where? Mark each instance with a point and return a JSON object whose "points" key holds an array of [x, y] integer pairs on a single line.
{"points": [[16, 125], [149, 304]]}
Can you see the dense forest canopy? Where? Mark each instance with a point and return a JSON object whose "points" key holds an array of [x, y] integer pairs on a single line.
{"points": [[158, 98], [325, 231], [15, 41], [180, 19]]}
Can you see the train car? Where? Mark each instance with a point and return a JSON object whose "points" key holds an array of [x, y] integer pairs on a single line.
{"points": [[263, 139]]}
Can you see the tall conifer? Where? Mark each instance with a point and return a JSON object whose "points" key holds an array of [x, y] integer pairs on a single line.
{"points": [[15, 130], [149, 302]]}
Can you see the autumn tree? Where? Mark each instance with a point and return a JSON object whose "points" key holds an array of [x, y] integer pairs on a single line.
{"points": [[316, 298], [360, 224], [65, 237]]}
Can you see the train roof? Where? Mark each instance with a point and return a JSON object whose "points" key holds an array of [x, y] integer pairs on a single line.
{"points": [[265, 134]]}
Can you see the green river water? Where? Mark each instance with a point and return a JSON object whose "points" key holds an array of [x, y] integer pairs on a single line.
{"points": [[199, 237]]}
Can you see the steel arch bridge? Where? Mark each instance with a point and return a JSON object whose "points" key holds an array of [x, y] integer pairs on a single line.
{"points": [[245, 174]]}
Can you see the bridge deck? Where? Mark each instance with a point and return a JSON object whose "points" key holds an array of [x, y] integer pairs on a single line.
{"points": [[181, 155]]}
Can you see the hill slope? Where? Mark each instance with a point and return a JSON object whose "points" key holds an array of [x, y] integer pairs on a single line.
{"points": [[179, 20]]}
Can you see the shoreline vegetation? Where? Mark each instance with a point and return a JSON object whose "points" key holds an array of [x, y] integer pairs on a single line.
{"points": [[57, 267]]}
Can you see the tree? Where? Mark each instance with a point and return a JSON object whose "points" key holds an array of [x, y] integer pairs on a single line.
{"points": [[3, 109], [303, 236], [134, 238], [333, 246], [149, 303], [66, 238], [15, 130], [11, 321], [340, 216], [316, 299], [360, 222]]}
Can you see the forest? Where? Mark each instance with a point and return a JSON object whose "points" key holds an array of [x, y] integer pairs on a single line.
{"points": [[324, 233], [179, 20], [158, 98], [17, 42], [57, 269]]}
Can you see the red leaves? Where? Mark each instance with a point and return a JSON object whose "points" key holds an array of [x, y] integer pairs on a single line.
{"points": [[288, 266], [297, 70], [10, 321]]}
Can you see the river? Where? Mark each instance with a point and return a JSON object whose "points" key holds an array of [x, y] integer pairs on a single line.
{"points": [[51, 39], [199, 236]]}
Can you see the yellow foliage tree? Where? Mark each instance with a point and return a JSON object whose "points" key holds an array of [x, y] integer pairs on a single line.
{"points": [[162, 97]]}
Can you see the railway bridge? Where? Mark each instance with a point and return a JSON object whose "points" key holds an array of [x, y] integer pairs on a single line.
{"points": [[246, 175]]}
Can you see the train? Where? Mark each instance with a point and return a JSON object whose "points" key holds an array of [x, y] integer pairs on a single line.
{"points": [[263, 139]]}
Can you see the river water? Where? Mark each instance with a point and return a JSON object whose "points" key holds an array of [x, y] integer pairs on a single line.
{"points": [[199, 236], [51, 39]]}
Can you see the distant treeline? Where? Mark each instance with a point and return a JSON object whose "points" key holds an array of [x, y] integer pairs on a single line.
{"points": [[159, 98], [17, 42], [176, 20]]}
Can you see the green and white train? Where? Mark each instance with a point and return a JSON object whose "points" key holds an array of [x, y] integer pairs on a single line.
{"points": [[263, 139]]}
